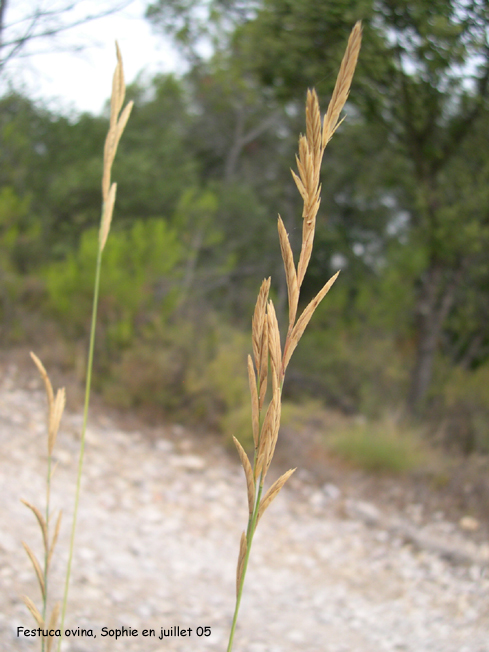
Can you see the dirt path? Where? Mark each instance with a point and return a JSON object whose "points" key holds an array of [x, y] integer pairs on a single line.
{"points": [[157, 544]]}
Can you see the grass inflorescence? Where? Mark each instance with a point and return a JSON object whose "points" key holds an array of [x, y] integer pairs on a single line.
{"points": [[270, 361], [117, 123]]}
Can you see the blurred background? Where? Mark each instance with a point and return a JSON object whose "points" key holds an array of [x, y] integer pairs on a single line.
{"points": [[399, 350]]}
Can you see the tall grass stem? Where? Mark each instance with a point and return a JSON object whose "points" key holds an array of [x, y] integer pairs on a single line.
{"points": [[83, 437]]}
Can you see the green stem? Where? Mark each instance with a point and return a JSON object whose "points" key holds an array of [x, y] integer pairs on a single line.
{"points": [[82, 443], [46, 551], [249, 539]]}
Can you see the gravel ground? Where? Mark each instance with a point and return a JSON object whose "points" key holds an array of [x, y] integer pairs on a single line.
{"points": [[157, 544]]}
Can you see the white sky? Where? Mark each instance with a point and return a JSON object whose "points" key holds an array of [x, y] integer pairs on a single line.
{"points": [[69, 81]]}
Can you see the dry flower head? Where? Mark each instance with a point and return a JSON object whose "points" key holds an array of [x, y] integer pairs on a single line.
{"points": [[116, 127], [270, 360]]}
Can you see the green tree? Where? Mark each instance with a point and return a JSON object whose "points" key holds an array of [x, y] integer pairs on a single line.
{"points": [[422, 84]]}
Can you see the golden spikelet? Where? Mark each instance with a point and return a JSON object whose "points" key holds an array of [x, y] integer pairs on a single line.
{"points": [[47, 382], [114, 133], [55, 405], [118, 88], [250, 485], [255, 411], [116, 127], [272, 440], [313, 131], [343, 83], [34, 611], [40, 520], [258, 320], [259, 338], [304, 319], [274, 340], [268, 432], [58, 408], [37, 568], [107, 216], [243, 547], [52, 625], [264, 439], [263, 369], [273, 492], [290, 273]]}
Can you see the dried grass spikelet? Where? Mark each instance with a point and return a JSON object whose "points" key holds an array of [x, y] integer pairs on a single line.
{"points": [[107, 216], [313, 133], [273, 492], [259, 336], [116, 127], [243, 548], [40, 520], [56, 405], [269, 432], [308, 164], [52, 625], [343, 84], [34, 611], [274, 341], [250, 485], [255, 411], [37, 568], [47, 382], [303, 320], [273, 436], [290, 273]]}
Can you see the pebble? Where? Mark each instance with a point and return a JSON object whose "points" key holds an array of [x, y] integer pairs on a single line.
{"points": [[189, 462], [469, 523]]}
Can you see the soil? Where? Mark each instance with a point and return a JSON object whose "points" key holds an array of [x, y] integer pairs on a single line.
{"points": [[342, 561]]}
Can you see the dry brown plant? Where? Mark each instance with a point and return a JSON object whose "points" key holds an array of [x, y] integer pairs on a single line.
{"points": [[270, 360]]}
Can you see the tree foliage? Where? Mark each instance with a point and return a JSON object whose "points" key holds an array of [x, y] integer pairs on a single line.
{"points": [[206, 156]]}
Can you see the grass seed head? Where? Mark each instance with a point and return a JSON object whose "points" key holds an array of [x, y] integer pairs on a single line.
{"points": [[343, 84], [116, 128]]}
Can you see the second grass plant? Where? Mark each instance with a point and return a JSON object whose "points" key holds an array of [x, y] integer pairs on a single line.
{"points": [[270, 360], [118, 121]]}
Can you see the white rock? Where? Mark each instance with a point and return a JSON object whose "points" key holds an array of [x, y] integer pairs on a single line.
{"points": [[364, 511], [331, 491], [469, 523], [190, 462]]}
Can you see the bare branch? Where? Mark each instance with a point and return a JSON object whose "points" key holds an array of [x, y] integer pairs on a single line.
{"points": [[42, 23]]}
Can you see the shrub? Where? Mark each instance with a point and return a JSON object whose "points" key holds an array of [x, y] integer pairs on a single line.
{"points": [[377, 446]]}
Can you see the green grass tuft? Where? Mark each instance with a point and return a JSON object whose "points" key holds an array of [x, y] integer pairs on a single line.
{"points": [[378, 447]]}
